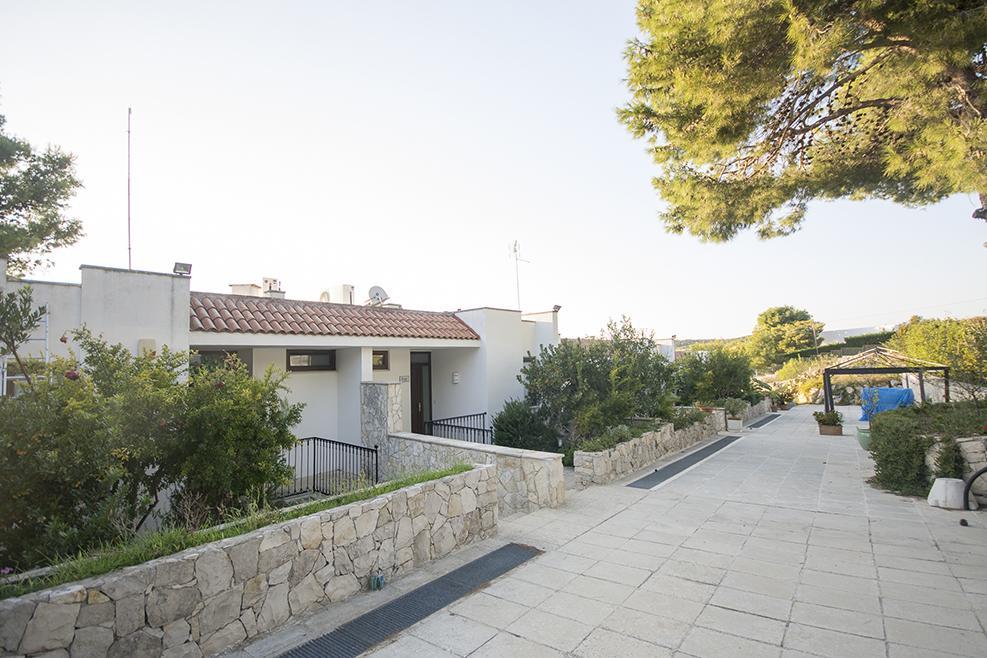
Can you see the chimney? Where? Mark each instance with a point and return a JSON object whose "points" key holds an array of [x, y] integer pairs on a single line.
{"points": [[341, 294], [272, 288], [248, 289]]}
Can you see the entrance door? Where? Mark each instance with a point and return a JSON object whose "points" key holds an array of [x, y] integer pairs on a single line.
{"points": [[421, 391]]}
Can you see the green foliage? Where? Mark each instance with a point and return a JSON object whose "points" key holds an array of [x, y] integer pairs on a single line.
{"points": [[754, 108], [828, 417], [582, 387], [900, 439], [782, 393], [949, 461], [87, 450], [734, 407], [235, 429], [518, 425], [145, 547], [779, 331], [18, 320], [684, 417], [959, 344], [35, 188], [716, 374], [608, 438], [868, 340]]}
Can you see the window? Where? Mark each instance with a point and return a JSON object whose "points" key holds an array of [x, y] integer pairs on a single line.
{"points": [[311, 360], [382, 360]]}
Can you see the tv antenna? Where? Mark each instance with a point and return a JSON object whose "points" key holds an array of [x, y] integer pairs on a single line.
{"points": [[516, 255], [129, 260]]}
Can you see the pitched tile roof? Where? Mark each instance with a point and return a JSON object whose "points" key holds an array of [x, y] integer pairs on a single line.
{"points": [[264, 315]]}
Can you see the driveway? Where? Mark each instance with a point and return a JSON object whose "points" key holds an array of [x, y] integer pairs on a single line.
{"points": [[774, 546]]}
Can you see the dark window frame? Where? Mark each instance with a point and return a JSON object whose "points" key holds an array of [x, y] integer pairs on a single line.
{"points": [[290, 353], [386, 354]]}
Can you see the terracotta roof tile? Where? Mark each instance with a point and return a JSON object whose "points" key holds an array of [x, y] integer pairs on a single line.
{"points": [[242, 314]]}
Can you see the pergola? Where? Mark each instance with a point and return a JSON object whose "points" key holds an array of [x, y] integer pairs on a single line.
{"points": [[898, 363]]}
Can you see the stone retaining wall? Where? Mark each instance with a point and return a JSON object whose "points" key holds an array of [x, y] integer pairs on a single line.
{"points": [[211, 597], [638, 453], [755, 411], [974, 451], [527, 480]]}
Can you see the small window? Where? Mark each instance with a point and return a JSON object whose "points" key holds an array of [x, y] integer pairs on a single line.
{"points": [[382, 360], [311, 360]]}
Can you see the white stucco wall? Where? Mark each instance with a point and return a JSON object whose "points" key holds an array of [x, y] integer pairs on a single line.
{"points": [[316, 389], [124, 306], [466, 397]]}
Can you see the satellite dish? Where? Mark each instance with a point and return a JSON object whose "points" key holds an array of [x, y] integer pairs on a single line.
{"points": [[377, 295], [324, 297]]}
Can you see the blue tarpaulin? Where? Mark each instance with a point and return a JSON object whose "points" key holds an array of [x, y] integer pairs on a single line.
{"points": [[876, 400]]}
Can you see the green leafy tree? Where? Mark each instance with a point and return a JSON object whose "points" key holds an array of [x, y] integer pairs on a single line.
{"points": [[714, 375], [781, 330], [35, 187], [18, 320], [959, 344], [752, 108]]}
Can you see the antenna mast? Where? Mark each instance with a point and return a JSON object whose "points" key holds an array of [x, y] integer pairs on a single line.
{"points": [[516, 255], [129, 261]]}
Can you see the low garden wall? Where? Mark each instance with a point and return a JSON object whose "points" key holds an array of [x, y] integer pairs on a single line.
{"points": [[638, 453], [527, 480], [214, 596], [755, 411]]}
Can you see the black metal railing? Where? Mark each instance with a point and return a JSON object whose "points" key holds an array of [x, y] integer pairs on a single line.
{"points": [[329, 467], [471, 428]]}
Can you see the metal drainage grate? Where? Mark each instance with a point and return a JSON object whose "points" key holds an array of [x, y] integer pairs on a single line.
{"points": [[671, 470], [361, 634], [763, 421]]}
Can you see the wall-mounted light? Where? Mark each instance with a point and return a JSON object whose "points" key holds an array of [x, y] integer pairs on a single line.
{"points": [[182, 269]]}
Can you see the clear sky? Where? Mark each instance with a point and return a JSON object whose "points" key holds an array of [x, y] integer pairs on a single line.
{"points": [[407, 144]]}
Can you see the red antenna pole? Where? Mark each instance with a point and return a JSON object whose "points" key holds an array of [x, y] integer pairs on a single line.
{"points": [[129, 262]]}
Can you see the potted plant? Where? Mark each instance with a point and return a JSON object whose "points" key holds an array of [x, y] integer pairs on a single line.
{"points": [[735, 408], [830, 422]]}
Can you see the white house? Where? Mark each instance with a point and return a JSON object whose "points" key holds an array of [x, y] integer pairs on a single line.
{"points": [[445, 364]]}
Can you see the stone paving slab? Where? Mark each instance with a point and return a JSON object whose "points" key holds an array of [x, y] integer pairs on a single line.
{"points": [[774, 547]]}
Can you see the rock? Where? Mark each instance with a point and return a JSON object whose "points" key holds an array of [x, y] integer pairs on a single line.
{"points": [[275, 610], [249, 621], [96, 614], [455, 505], [129, 615], [366, 523], [51, 627], [342, 562], [220, 610], [166, 604], [14, 616], [311, 532], [280, 574], [70, 594], [404, 534], [213, 572], [174, 572], [127, 584], [187, 650], [342, 587], [947, 493], [344, 532], [303, 595], [276, 556], [95, 596], [176, 633], [433, 505], [227, 636], [303, 564], [244, 556], [443, 541], [141, 644], [273, 539], [468, 499], [254, 591], [57, 653], [91, 641], [422, 547]]}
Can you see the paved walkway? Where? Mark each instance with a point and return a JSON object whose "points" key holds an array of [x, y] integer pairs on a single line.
{"points": [[775, 546]]}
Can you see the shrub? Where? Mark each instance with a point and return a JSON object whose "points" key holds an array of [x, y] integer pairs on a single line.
{"points": [[583, 387], [519, 426], [949, 461], [686, 417], [608, 439], [959, 344], [900, 439], [828, 417], [713, 375], [735, 407]]}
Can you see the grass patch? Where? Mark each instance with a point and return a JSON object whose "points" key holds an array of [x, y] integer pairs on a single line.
{"points": [[167, 542]]}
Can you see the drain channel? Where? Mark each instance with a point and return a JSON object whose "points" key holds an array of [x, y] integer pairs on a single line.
{"points": [[669, 471], [361, 634]]}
